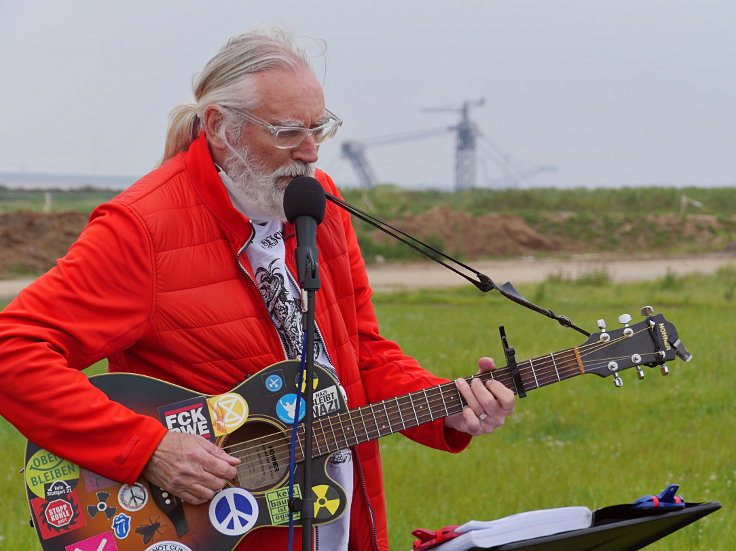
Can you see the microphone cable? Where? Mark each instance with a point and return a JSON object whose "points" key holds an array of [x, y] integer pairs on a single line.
{"points": [[483, 283]]}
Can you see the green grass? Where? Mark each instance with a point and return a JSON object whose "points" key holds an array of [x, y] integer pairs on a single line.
{"points": [[581, 442], [81, 200]]}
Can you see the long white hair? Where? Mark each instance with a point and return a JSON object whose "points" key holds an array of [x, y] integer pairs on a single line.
{"points": [[227, 80]]}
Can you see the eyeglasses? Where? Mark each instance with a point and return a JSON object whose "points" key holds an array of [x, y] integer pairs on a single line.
{"points": [[289, 137]]}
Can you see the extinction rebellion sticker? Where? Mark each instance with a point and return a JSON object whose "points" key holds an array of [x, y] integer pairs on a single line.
{"points": [[229, 412]]}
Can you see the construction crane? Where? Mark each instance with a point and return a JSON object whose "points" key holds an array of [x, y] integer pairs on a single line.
{"points": [[466, 150], [354, 150], [467, 132]]}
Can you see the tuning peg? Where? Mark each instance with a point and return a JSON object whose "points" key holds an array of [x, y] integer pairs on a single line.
{"points": [[617, 381], [640, 372], [603, 337], [664, 369], [647, 311], [624, 319]]}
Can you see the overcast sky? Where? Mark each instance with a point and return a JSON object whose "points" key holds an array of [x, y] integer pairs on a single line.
{"points": [[608, 92]]}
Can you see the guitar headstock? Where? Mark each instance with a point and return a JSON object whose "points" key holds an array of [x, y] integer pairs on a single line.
{"points": [[650, 342]]}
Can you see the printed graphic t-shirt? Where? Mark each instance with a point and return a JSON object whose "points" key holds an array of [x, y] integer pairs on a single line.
{"points": [[281, 296]]}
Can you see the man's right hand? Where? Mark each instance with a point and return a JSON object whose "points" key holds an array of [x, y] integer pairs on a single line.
{"points": [[190, 467]]}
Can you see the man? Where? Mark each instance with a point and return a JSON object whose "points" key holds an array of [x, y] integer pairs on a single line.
{"points": [[187, 276]]}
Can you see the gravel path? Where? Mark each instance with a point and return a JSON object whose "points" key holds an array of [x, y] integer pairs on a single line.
{"points": [[392, 277]]}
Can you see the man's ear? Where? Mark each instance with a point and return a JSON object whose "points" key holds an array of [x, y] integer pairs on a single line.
{"points": [[214, 126]]}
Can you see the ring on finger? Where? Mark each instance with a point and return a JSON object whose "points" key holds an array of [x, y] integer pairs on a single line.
{"points": [[482, 416]]}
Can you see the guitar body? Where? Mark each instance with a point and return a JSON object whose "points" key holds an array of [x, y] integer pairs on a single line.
{"points": [[77, 510]]}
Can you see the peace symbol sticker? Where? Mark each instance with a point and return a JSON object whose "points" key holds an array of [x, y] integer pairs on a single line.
{"points": [[233, 511], [133, 498]]}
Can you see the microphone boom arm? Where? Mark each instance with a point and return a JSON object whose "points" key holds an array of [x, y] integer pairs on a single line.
{"points": [[483, 283]]}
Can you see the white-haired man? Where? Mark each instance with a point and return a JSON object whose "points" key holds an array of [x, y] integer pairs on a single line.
{"points": [[187, 276]]}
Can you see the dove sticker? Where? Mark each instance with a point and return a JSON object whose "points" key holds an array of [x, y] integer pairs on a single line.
{"points": [[286, 407]]}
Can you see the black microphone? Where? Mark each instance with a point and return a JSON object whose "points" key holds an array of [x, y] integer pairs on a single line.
{"points": [[304, 206]]}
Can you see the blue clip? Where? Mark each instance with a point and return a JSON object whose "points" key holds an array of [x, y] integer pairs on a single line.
{"points": [[664, 500]]}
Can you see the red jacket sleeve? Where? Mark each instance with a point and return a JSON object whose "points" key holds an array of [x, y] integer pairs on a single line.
{"points": [[385, 370], [97, 300]]}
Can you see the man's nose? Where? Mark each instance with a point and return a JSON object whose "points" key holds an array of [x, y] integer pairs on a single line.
{"points": [[307, 151]]}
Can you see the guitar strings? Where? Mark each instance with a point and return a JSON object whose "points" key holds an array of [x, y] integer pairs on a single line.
{"points": [[541, 375], [395, 406], [389, 416]]}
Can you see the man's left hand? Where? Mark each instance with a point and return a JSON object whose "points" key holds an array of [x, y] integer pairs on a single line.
{"points": [[487, 405]]}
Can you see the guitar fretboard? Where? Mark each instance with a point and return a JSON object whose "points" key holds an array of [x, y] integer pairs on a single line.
{"points": [[373, 421]]}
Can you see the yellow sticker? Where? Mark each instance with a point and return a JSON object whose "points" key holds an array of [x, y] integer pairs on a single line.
{"points": [[326, 501], [44, 468], [228, 412]]}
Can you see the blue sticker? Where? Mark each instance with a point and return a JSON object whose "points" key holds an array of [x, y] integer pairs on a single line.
{"points": [[121, 526], [233, 511], [285, 408], [274, 383]]}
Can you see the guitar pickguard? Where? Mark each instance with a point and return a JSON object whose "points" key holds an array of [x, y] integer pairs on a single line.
{"points": [[76, 510]]}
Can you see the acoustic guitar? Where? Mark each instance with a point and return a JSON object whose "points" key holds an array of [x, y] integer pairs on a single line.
{"points": [[74, 509]]}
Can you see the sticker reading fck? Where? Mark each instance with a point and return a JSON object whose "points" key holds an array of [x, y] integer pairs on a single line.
{"points": [[189, 416]]}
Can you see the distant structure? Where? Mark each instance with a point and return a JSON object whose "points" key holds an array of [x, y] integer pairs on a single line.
{"points": [[466, 151], [467, 132]]}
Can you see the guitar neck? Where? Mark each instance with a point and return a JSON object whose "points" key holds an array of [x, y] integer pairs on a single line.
{"points": [[373, 421]]}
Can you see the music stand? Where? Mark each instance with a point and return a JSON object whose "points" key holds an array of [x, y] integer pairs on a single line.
{"points": [[616, 528]]}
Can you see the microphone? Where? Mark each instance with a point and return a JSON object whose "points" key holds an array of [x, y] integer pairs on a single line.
{"points": [[304, 206]]}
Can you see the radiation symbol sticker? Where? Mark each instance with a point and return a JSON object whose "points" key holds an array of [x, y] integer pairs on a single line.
{"points": [[326, 501], [229, 412]]}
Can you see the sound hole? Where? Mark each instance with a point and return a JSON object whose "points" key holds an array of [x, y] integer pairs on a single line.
{"points": [[263, 450]]}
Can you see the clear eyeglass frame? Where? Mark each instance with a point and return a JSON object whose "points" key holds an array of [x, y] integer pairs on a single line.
{"points": [[289, 137]]}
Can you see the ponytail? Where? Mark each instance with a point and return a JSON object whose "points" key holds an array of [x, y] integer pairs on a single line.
{"points": [[183, 130]]}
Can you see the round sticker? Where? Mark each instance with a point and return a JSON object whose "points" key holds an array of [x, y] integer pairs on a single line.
{"points": [[133, 498], [285, 408], [45, 468], [326, 502], [229, 412], [233, 511], [168, 546], [274, 383]]}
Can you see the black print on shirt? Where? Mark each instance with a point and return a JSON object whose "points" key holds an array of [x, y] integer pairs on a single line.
{"points": [[285, 312], [283, 308], [270, 241]]}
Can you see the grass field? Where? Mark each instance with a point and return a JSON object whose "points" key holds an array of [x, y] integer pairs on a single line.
{"points": [[581, 442]]}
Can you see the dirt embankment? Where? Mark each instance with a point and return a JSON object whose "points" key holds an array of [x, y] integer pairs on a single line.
{"points": [[30, 242], [505, 235], [480, 236]]}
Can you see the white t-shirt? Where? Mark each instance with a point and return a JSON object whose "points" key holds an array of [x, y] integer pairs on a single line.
{"points": [[281, 296]]}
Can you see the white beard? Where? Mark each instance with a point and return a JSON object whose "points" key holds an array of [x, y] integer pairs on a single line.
{"points": [[261, 192]]}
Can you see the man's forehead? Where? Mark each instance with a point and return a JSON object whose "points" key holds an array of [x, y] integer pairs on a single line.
{"points": [[290, 97]]}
